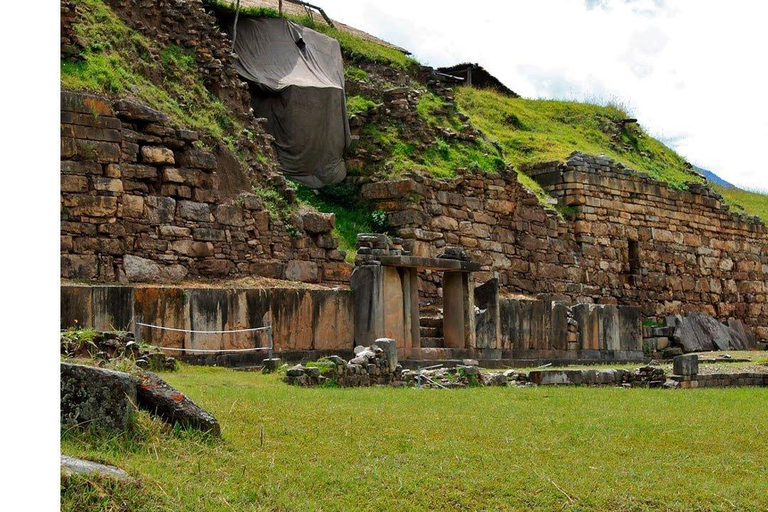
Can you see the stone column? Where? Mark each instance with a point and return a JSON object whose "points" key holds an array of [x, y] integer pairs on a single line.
{"points": [[413, 276], [367, 285], [458, 310]]}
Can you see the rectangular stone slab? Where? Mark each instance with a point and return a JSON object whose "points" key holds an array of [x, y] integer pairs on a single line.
{"points": [[438, 264]]}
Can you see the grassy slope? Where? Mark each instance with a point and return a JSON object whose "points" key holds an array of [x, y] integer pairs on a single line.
{"points": [[474, 449], [118, 60], [753, 203], [543, 130]]}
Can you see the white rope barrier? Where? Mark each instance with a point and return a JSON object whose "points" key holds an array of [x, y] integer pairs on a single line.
{"points": [[267, 328], [208, 351], [162, 328]]}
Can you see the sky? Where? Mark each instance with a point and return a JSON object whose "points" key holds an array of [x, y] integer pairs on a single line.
{"points": [[692, 71]]}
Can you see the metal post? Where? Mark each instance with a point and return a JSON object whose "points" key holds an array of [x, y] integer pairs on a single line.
{"points": [[269, 338], [137, 328]]}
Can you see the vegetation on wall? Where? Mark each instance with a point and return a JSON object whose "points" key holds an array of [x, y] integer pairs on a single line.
{"points": [[117, 60], [353, 216]]}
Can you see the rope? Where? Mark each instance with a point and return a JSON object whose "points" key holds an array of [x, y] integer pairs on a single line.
{"points": [[202, 332], [204, 351]]}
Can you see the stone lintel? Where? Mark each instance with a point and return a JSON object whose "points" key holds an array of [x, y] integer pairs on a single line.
{"points": [[439, 264]]}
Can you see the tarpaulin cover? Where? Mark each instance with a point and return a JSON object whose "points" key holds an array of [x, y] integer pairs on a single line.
{"points": [[297, 83]]}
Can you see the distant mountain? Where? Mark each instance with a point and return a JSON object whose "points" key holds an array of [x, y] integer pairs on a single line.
{"points": [[714, 178]]}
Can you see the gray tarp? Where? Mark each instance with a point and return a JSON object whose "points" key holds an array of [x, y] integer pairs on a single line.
{"points": [[297, 83]]}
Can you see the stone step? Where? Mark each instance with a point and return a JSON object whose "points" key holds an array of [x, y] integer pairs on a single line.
{"points": [[431, 321], [428, 342], [431, 332]]}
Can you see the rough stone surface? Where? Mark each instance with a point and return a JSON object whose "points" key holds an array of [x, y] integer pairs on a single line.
{"points": [[94, 396], [141, 203], [74, 466], [686, 365], [157, 396]]}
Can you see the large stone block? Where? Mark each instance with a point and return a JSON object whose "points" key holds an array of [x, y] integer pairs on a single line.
{"points": [[157, 155], [98, 397], [316, 222], [304, 271], [143, 270], [160, 210], [191, 210], [686, 365]]}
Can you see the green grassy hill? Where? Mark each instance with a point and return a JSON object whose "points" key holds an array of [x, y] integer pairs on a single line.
{"points": [[541, 130], [753, 203]]}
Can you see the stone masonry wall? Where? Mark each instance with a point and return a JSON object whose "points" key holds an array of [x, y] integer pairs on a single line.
{"points": [[664, 250], [499, 223], [140, 202], [687, 251]]}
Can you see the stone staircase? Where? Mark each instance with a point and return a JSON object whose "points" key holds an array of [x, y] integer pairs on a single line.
{"points": [[431, 328]]}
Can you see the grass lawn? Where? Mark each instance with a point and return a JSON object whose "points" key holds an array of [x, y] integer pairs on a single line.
{"points": [[474, 449]]}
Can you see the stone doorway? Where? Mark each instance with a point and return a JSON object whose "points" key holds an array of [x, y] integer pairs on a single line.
{"points": [[385, 284]]}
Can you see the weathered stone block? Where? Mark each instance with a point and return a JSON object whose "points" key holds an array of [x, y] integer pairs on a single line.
{"points": [[191, 210], [305, 271], [197, 159], [686, 365], [160, 210], [316, 222], [74, 183], [98, 397], [92, 206], [108, 184], [157, 155]]}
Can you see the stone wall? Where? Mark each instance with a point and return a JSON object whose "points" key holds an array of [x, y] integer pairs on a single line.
{"points": [[305, 322], [498, 222], [141, 202], [628, 239], [664, 250], [555, 330]]}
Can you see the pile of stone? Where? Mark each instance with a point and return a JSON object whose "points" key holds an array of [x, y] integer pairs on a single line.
{"points": [[459, 376], [695, 332], [110, 347], [373, 365], [369, 246]]}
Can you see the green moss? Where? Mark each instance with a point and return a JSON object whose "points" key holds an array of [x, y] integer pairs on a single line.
{"points": [[541, 130], [359, 104], [117, 60], [274, 201], [354, 73]]}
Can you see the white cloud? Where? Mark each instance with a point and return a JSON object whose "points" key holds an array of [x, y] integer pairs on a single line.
{"points": [[692, 70]]}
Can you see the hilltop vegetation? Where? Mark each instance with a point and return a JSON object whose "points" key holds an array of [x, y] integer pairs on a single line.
{"points": [[543, 130], [750, 202], [117, 60]]}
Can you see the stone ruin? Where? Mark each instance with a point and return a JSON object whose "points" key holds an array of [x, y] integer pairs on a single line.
{"points": [[385, 284]]}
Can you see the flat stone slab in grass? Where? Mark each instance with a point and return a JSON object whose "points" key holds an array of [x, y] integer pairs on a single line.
{"points": [[95, 396], [73, 465], [159, 398]]}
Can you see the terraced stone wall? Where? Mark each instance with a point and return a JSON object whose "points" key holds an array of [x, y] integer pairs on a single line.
{"points": [[620, 238], [141, 202]]}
